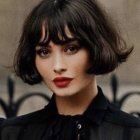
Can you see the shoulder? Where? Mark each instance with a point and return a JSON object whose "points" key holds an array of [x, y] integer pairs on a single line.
{"points": [[121, 118], [1, 121], [14, 127], [34, 117], [24, 125]]}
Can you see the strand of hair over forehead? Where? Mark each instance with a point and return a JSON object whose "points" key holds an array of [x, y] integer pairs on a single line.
{"points": [[59, 1]]}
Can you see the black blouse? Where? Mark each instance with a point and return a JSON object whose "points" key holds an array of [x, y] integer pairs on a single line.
{"points": [[1, 121], [101, 121]]}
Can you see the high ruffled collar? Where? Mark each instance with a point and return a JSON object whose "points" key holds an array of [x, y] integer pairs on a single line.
{"points": [[95, 111]]}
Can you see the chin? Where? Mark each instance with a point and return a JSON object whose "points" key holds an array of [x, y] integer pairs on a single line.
{"points": [[64, 92]]}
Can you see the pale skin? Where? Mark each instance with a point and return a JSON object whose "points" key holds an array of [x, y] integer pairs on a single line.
{"points": [[67, 60]]}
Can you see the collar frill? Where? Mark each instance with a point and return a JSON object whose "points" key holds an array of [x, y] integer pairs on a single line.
{"points": [[66, 127]]}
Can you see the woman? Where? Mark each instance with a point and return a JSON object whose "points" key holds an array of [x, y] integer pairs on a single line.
{"points": [[65, 44]]}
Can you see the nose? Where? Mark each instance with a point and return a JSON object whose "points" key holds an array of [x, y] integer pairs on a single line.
{"points": [[59, 65]]}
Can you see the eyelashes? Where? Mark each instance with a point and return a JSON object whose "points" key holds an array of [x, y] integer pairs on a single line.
{"points": [[45, 52], [72, 49]]}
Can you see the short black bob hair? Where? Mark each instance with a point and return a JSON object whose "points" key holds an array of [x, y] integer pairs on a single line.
{"points": [[87, 22]]}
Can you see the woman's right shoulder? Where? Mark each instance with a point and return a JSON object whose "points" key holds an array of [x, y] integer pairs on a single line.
{"points": [[13, 127], [1, 121], [26, 119]]}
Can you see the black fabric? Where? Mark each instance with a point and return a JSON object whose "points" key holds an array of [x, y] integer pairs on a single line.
{"points": [[101, 121], [1, 120]]}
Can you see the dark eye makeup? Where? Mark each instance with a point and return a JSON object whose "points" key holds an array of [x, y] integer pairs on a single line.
{"points": [[42, 51], [69, 48], [72, 48]]}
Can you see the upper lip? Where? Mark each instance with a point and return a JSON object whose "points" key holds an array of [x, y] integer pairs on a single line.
{"points": [[61, 79]]}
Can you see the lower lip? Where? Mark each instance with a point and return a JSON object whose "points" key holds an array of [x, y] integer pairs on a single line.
{"points": [[62, 83]]}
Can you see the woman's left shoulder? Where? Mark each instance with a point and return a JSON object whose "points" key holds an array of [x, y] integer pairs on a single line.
{"points": [[128, 124], [122, 118]]}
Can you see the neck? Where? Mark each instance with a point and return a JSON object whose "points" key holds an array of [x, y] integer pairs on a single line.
{"points": [[78, 103]]}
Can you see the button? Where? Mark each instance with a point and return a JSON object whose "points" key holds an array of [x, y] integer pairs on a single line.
{"points": [[79, 126]]}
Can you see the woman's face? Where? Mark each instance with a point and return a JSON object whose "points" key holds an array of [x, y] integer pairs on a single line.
{"points": [[63, 67]]}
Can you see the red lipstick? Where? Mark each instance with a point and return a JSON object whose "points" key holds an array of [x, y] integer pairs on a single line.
{"points": [[62, 81]]}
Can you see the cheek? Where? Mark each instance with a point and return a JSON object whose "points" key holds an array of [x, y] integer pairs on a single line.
{"points": [[82, 76], [41, 66], [38, 65], [81, 65]]}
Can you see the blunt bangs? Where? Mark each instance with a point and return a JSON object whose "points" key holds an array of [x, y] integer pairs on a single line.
{"points": [[55, 17], [56, 22]]}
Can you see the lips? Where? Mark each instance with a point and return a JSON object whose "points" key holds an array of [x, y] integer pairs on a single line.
{"points": [[62, 81]]}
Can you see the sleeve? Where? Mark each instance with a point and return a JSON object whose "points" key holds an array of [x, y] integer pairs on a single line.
{"points": [[136, 134], [9, 133], [9, 130], [1, 121]]}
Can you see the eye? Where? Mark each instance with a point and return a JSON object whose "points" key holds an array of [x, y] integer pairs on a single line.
{"points": [[43, 52], [71, 49]]}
